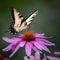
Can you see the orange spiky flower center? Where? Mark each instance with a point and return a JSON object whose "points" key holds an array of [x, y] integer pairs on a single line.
{"points": [[28, 36], [1, 57]]}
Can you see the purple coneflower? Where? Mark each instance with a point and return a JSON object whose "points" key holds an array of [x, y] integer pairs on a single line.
{"points": [[3, 58], [30, 41]]}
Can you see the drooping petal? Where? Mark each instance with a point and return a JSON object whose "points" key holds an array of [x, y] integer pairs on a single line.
{"points": [[6, 39], [28, 47], [37, 55], [52, 44], [22, 43], [11, 40], [26, 58], [36, 44], [45, 42], [57, 53], [15, 40], [32, 58], [53, 58], [9, 47], [35, 48], [16, 49], [40, 35], [44, 47]]}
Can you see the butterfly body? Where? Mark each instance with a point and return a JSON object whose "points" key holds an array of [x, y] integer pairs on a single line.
{"points": [[19, 22]]}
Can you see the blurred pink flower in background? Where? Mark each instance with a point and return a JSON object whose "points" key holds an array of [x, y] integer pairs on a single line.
{"points": [[57, 53], [38, 57], [3, 58], [37, 42], [53, 58], [50, 57]]}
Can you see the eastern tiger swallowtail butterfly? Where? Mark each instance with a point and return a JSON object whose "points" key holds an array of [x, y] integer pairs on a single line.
{"points": [[19, 23]]}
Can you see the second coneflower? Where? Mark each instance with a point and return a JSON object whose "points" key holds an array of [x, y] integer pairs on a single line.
{"points": [[3, 58], [30, 41]]}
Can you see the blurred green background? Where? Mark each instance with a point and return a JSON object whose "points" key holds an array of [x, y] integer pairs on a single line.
{"points": [[47, 21]]}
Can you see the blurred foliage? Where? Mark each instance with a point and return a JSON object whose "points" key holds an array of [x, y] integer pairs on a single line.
{"points": [[47, 20]]}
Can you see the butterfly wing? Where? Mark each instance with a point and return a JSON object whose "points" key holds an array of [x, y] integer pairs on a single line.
{"points": [[19, 23], [29, 20], [17, 17]]}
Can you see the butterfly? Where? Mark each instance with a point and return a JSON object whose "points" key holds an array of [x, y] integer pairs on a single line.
{"points": [[19, 23]]}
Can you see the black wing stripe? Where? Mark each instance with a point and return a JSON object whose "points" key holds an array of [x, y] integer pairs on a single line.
{"points": [[12, 12], [23, 21], [20, 16]]}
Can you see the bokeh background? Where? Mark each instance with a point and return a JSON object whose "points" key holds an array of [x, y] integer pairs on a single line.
{"points": [[47, 21]]}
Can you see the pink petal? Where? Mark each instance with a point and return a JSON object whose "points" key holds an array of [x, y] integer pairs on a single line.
{"points": [[34, 48], [57, 53], [53, 58], [36, 44], [40, 35], [32, 58], [11, 40], [37, 55], [45, 58], [15, 40], [18, 46], [52, 44], [25, 58], [5, 59], [45, 42], [22, 43], [28, 47], [6, 39], [9, 47], [44, 47]]}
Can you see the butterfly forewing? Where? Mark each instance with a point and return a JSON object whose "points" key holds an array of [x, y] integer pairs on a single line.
{"points": [[29, 20], [17, 18]]}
